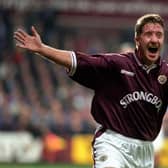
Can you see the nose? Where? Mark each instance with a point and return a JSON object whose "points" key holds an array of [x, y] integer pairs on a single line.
{"points": [[154, 38]]}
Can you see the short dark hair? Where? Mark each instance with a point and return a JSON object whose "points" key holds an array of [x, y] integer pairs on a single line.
{"points": [[148, 18]]}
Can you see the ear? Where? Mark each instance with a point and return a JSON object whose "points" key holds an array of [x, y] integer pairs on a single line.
{"points": [[136, 39]]}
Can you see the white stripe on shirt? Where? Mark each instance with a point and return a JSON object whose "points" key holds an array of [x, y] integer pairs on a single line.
{"points": [[72, 70]]}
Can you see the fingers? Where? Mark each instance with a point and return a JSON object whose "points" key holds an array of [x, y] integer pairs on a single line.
{"points": [[22, 32], [19, 37], [24, 40], [20, 45], [34, 31]]}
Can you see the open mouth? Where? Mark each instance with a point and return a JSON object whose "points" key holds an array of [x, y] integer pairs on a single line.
{"points": [[153, 49]]}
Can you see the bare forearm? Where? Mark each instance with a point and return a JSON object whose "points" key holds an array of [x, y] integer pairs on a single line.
{"points": [[61, 57]]}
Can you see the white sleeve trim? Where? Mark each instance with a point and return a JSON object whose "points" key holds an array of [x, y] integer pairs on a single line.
{"points": [[72, 70]]}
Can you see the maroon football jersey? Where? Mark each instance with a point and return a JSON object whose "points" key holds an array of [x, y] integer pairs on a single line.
{"points": [[130, 98]]}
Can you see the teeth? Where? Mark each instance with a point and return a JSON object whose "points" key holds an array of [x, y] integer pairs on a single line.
{"points": [[152, 49]]}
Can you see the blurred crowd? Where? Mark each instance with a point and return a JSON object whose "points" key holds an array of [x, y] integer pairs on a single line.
{"points": [[35, 94]]}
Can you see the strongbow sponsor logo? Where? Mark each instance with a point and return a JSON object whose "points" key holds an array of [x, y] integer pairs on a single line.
{"points": [[140, 95], [162, 79]]}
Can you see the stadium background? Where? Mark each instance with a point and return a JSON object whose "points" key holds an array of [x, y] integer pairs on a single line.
{"points": [[44, 116]]}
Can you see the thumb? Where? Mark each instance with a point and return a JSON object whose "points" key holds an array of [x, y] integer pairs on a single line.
{"points": [[34, 31]]}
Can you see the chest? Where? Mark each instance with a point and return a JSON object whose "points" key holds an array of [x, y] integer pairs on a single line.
{"points": [[137, 79]]}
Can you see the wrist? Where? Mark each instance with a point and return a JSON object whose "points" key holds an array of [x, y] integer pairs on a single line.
{"points": [[41, 49]]}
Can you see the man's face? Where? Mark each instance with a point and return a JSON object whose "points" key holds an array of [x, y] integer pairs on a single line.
{"points": [[150, 42]]}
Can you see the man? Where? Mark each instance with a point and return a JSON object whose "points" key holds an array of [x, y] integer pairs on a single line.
{"points": [[131, 93]]}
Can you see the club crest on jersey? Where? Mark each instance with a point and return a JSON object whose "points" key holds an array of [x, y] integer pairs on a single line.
{"points": [[103, 158], [162, 79], [123, 71]]}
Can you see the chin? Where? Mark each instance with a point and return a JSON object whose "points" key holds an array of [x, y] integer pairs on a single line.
{"points": [[152, 58]]}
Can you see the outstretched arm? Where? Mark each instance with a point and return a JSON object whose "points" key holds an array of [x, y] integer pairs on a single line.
{"points": [[34, 43]]}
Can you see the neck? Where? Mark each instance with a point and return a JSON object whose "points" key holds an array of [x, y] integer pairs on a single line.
{"points": [[147, 62]]}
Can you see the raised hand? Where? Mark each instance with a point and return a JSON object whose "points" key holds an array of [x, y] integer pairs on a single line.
{"points": [[31, 42]]}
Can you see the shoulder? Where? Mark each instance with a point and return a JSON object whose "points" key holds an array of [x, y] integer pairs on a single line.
{"points": [[116, 56], [115, 59], [164, 67], [119, 58], [163, 73]]}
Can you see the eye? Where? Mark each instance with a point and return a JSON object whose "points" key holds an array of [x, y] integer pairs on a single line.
{"points": [[148, 34], [159, 35]]}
